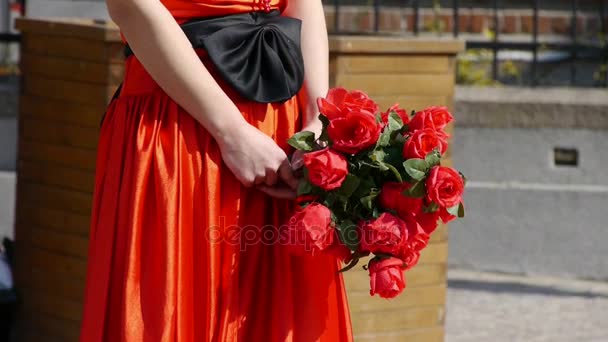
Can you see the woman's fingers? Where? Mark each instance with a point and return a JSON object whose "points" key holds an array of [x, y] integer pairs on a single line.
{"points": [[282, 192], [287, 176], [271, 177]]}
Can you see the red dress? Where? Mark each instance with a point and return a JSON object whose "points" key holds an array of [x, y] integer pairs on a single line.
{"points": [[175, 251]]}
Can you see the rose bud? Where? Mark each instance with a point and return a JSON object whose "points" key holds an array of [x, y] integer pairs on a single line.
{"points": [[409, 256], [386, 234], [339, 102], [310, 230], [386, 277], [391, 197], [436, 118], [423, 142], [428, 221], [417, 238], [354, 132], [332, 105], [444, 186], [326, 168], [401, 112]]}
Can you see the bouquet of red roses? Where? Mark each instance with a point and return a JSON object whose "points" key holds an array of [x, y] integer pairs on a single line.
{"points": [[373, 184]]}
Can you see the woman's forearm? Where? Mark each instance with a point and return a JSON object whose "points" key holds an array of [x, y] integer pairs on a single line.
{"points": [[315, 52], [168, 56]]}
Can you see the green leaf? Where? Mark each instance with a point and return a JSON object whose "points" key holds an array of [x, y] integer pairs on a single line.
{"points": [[394, 171], [304, 187], [417, 190], [460, 210], [325, 121], [454, 210], [377, 156], [302, 141], [385, 139], [416, 168], [431, 208], [349, 186], [394, 122], [349, 235], [368, 201], [433, 158]]}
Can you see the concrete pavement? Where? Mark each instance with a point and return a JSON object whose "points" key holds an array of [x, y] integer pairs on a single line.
{"points": [[489, 307]]}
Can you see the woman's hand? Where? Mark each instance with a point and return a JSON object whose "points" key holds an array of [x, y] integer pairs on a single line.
{"points": [[255, 159]]}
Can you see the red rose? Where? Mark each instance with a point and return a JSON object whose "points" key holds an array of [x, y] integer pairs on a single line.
{"points": [[386, 234], [409, 256], [339, 250], [417, 238], [435, 118], [428, 221], [401, 112], [391, 197], [357, 99], [332, 105], [444, 186], [354, 132], [339, 102], [386, 277], [310, 230], [326, 168], [423, 142]]}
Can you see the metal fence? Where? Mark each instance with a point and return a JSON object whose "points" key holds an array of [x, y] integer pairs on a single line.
{"points": [[577, 49]]}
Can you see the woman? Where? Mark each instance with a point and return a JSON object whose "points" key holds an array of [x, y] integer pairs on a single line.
{"points": [[192, 172]]}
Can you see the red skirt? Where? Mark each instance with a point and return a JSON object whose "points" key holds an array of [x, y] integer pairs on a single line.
{"points": [[180, 250]]}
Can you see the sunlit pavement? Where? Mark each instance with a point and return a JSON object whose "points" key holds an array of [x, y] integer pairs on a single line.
{"points": [[495, 308]]}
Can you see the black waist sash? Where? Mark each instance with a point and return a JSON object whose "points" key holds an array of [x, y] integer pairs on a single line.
{"points": [[257, 53]]}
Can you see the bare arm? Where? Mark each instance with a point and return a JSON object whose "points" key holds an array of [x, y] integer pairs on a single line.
{"points": [[316, 56], [168, 56]]}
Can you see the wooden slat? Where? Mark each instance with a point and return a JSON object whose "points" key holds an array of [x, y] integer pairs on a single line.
{"points": [[416, 318], [53, 241], [377, 45], [53, 219], [53, 263], [54, 198], [44, 281], [34, 300], [72, 69], [440, 234], [82, 49], [414, 297], [434, 253], [34, 107], [56, 133], [68, 91], [409, 102], [363, 64], [84, 28], [59, 155], [419, 276], [54, 175], [375, 85], [418, 335]]}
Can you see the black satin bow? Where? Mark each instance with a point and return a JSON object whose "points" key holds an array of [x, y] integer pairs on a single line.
{"points": [[256, 53]]}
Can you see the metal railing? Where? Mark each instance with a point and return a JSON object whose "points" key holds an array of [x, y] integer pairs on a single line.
{"points": [[578, 50]]}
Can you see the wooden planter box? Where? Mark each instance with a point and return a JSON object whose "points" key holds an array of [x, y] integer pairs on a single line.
{"points": [[416, 73], [70, 71]]}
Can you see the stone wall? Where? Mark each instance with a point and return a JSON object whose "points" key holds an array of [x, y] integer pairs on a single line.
{"points": [[529, 210]]}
